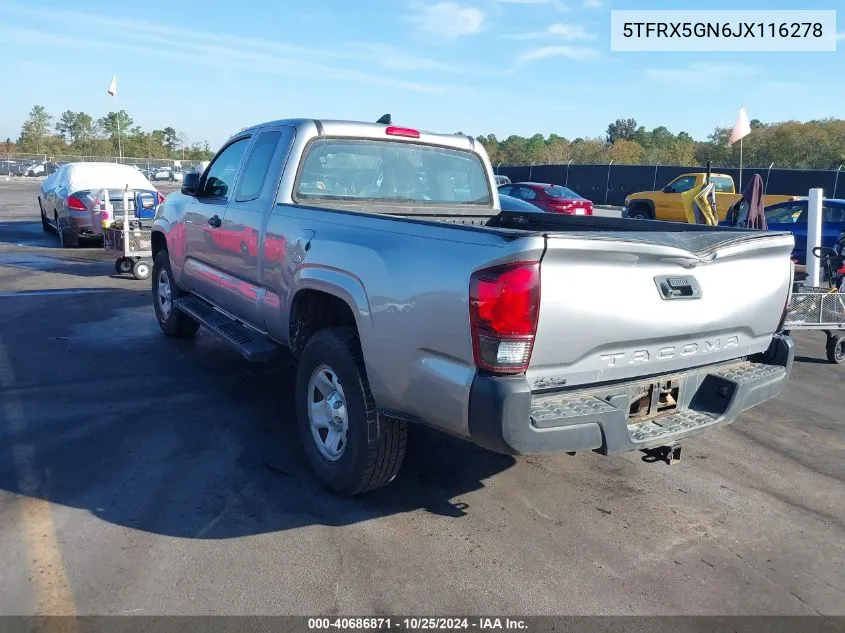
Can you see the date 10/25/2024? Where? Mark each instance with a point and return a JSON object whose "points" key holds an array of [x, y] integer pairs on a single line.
{"points": [[417, 624]]}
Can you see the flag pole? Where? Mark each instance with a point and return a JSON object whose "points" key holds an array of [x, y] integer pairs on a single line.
{"points": [[740, 164], [120, 146]]}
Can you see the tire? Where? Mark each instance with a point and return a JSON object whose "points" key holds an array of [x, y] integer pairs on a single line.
{"points": [[640, 212], [45, 224], [67, 238], [172, 321], [836, 349], [374, 446], [141, 270], [123, 265]]}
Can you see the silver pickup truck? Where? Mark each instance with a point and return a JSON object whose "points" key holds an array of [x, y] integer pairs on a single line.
{"points": [[380, 257]]}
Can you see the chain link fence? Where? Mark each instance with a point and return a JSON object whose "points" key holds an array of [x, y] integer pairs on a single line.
{"points": [[27, 164]]}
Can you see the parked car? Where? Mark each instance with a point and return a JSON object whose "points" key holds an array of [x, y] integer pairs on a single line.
{"points": [[667, 204], [792, 216], [408, 300], [551, 198], [166, 173], [67, 197], [502, 180], [42, 169], [509, 203]]}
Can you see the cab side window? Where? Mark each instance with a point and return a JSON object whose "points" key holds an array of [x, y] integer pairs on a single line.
{"points": [[221, 174], [257, 166]]}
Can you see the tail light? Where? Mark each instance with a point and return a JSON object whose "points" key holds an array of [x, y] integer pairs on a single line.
{"points": [[560, 207], [75, 204], [504, 305], [392, 130], [161, 197]]}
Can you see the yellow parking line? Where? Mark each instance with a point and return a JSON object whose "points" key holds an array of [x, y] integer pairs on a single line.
{"points": [[49, 577]]}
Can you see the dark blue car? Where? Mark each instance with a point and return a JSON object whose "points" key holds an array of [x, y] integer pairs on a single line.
{"points": [[791, 216]]}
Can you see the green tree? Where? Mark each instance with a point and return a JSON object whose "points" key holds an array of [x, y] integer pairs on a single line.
{"points": [[170, 140], [624, 152], [588, 151], [35, 131], [621, 130], [114, 123]]}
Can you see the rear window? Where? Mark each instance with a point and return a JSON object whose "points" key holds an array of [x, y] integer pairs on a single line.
{"points": [[561, 192], [391, 171]]}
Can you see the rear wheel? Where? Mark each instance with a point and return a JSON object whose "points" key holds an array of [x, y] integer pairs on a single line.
{"points": [[350, 446], [836, 349], [171, 320], [45, 223], [67, 238], [123, 265]]}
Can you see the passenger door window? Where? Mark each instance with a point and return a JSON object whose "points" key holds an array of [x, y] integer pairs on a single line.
{"points": [[221, 174], [681, 185], [506, 190], [787, 214]]}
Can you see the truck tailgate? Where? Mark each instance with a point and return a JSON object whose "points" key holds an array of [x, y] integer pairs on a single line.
{"points": [[622, 305]]}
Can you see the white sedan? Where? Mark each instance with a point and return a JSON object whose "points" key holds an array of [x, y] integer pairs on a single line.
{"points": [[166, 173]]}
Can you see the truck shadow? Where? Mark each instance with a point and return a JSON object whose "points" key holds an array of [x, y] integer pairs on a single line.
{"points": [[182, 438]]}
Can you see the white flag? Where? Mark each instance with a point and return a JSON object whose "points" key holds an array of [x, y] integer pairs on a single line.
{"points": [[741, 128], [113, 86]]}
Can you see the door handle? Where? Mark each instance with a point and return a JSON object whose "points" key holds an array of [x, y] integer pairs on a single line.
{"points": [[215, 221]]}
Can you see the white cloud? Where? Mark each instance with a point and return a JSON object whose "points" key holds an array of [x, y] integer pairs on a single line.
{"points": [[784, 87], [224, 53], [699, 73], [557, 4], [559, 30], [447, 19], [577, 53]]}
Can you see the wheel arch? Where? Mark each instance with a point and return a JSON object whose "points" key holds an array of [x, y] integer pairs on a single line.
{"points": [[323, 298], [642, 202]]}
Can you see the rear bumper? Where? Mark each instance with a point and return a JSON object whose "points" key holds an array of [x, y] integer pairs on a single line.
{"points": [[504, 416]]}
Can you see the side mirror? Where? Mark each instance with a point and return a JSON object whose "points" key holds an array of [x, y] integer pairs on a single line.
{"points": [[191, 183]]}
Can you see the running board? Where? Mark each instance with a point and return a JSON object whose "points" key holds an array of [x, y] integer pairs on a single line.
{"points": [[252, 345]]}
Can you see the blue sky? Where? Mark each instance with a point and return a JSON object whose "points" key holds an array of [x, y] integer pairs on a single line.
{"points": [[479, 66]]}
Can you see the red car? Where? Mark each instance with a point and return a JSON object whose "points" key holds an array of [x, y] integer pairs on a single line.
{"points": [[551, 198]]}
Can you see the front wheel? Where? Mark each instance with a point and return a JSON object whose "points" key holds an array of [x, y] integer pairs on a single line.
{"points": [[171, 320], [141, 270], [350, 446], [836, 349], [639, 213]]}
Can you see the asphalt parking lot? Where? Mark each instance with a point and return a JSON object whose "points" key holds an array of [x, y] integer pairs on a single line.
{"points": [[144, 475]]}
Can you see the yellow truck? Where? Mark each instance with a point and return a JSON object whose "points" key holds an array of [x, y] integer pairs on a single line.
{"points": [[667, 204]]}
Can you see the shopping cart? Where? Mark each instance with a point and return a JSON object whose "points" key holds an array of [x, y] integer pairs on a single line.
{"points": [[130, 239], [823, 308]]}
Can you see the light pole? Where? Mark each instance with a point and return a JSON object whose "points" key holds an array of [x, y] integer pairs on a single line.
{"points": [[607, 186], [768, 172]]}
